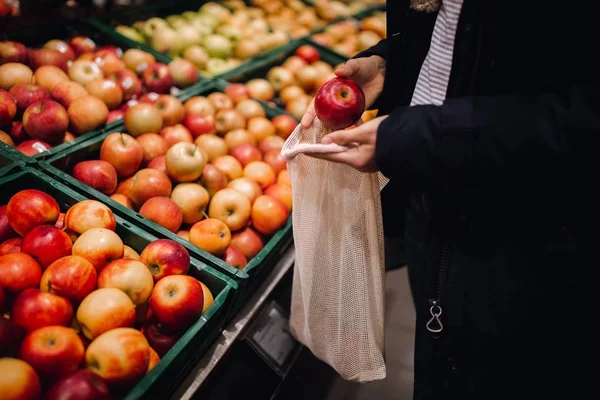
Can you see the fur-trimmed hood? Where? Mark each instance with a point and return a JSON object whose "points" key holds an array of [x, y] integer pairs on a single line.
{"points": [[426, 5]]}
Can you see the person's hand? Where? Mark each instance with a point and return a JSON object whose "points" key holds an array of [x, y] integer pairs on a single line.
{"points": [[367, 72], [361, 142]]}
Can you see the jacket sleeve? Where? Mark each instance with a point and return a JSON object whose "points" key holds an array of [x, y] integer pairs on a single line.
{"points": [[380, 49], [489, 143]]}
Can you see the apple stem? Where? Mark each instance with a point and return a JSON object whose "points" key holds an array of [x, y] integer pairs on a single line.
{"points": [[205, 216], [194, 150], [122, 138]]}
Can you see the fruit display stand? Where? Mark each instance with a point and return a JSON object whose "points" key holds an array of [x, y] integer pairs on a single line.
{"points": [[60, 166], [10, 160], [168, 373]]}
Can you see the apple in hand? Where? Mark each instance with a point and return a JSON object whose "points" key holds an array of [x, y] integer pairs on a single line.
{"points": [[99, 246], [123, 152], [87, 113], [105, 309], [130, 276], [98, 174], [34, 309], [235, 258], [89, 214], [164, 211], [143, 118], [211, 235], [27, 94], [46, 244], [269, 215], [82, 384], [148, 183], [120, 356], [165, 257], [192, 199], [213, 179], [29, 208], [185, 162], [249, 242], [71, 277], [157, 78], [339, 103], [53, 351], [177, 301], [46, 120], [231, 207], [18, 381], [160, 338]]}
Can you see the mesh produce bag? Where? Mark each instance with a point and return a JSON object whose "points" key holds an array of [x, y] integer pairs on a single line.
{"points": [[338, 289]]}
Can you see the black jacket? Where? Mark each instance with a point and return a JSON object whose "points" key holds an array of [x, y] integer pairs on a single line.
{"points": [[495, 190]]}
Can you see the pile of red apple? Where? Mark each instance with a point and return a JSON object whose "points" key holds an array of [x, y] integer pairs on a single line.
{"points": [[81, 312], [209, 170], [51, 94]]}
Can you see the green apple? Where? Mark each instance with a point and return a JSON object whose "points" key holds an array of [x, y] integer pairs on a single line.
{"points": [[189, 15], [139, 26], [219, 12], [130, 33], [166, 40], [218, 46], [216, 66], [188, 36], [231, 32], [197, 55], [202, 28], [208, 20], [152, 25]]}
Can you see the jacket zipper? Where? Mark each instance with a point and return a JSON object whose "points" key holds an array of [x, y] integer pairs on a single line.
{"points": [[435, 325]]}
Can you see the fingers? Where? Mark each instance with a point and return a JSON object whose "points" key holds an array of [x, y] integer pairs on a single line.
{"points": [[309, 116], [350, 68], [346, 137]]}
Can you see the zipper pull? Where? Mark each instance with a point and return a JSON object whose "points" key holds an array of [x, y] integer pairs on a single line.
{"points": [[434, 325]]}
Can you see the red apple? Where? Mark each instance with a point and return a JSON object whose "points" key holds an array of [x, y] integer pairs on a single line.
{"points": [[98, 174], [213, 146], [71, 277], [309, 53], [105, 309], [10, 246], [60, 222], [148, 183], [229, 165], [165, 257], [260, 89], [106, 90], [65, 92], [62, 47], [123, 152], [33, 147], [53, 351], [87, 113], [200, 105], [49, 76], [85, 71], [175, 134], [12, 52], [82, 45], [177, 301], [30, 208], [108, 62], [284, 125], [157, 78], [89, 214], [41, 57], [261, 173], [171, 109], [26, 94], [231, 207], [46, 120], [6, 139], [339, 103], [200, 125], [290, 93], [294, 63], [115, 115], [260, 128], [184, 72], [160, 338], [99, 246], [120, 356], [213, 179], [284, 178], [130, 276], [211, 235], [17, 133], [238, 137], [235, 258], [13, 73], [251, 108], [221, 101], [19, 271], [46, 244], [153, 145], [228, 120], [246, 153], [110, 49], [280, 78], [124, 186], [82, 384], [138, 60], [8, 106], [18, 380], [247, 187], [282, 193], [192, 199], [150, 98], [129, 83], [237, 92], [269, 215], [249, 242], [34, 309], [6, 231], [11, 336], [164, 212], [185, 162], [123, 200], [159, 163], [143, 118], [275, 160]]}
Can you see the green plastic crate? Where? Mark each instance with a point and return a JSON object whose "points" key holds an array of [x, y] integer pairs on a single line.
{"points": [[171, 370], [60, 165], [10, 160]]}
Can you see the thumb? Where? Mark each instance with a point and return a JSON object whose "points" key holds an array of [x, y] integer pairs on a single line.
{"points": [[342, 138], [347, 70]]}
